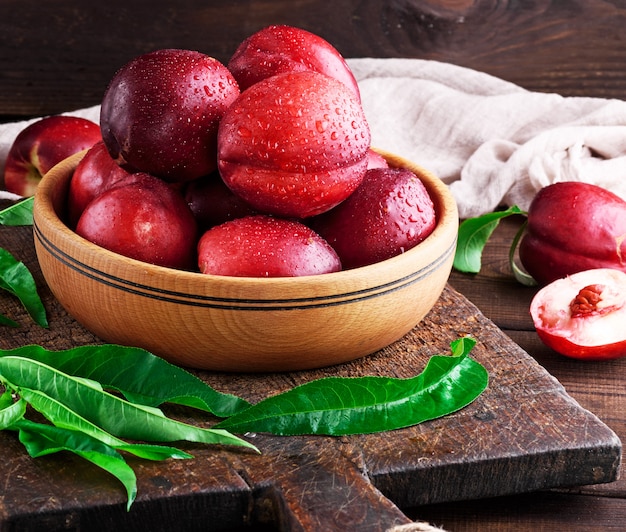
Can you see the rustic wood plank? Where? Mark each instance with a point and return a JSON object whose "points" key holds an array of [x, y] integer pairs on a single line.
{"points": [[307, 484], [597, 386], [537, 511], [60, 56]]}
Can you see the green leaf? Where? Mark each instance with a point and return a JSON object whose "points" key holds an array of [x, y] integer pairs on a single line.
{"points": [[474, 233], [16, 279], [6, 399], [10, 411], [20, 213], [41, 440], [358, 405], [139, 375], [63, 417], [48, 389], [8, 322], [462, 346], [89, 421]]}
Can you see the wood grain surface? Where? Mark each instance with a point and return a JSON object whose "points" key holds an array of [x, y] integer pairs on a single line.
{"points": [[58, 55]]}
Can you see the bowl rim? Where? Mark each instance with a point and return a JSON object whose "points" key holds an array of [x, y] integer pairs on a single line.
{"points": [[445, 205]]}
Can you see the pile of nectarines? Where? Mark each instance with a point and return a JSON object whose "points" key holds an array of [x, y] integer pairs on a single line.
{"points": [[261, 167]]}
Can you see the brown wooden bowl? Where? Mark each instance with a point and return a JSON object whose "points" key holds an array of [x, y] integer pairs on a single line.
{"points": [[242, 324]]}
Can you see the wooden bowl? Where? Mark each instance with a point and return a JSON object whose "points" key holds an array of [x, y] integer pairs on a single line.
{"points": [[242, 324]]}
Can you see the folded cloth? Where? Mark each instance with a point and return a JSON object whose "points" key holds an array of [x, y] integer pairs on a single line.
{"points": [[493, 142]]}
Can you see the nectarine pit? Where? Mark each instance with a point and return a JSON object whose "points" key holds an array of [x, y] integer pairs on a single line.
{"points": [[588, 302]]}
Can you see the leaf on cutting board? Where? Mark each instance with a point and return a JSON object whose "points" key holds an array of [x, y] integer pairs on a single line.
{"points": [[139, 375], [474, 233], [77, 436], [64, 417], [41, 440], [37, 381], [16, 279], [359, 405], [20, 213]]}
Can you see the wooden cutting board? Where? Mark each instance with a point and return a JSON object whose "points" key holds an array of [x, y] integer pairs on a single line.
{"points": [[523, 434]]}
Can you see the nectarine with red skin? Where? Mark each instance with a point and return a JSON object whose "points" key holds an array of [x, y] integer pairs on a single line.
{"points": [[388, 214], [265, 246], [294, 145], [145, 219], [278, 49], [41, 145], [160, 113], [95, 173], [583, 315], [572, 227], [213, 203]]}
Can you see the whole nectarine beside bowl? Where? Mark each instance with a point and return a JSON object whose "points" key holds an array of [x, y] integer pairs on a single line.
{"points": [[242, 324]]}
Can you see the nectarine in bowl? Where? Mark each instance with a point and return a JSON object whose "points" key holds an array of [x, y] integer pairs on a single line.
{"points": [[242, 324]]}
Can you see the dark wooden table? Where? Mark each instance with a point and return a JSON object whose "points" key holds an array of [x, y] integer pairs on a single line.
{"points": [[58, 55]]}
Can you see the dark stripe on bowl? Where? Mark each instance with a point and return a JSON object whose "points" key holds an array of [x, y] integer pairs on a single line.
{"points": [[237, 303]]}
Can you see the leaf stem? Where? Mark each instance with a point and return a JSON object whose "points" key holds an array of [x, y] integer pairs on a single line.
{"points": [[520, 275]]}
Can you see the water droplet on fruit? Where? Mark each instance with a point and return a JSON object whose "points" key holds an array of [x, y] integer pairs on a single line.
{"points": [[208, 91], [333, 135], [244, 132], [321, 125]]}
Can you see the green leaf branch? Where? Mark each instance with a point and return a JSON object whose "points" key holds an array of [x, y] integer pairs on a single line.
{"points": [[92, 422], [474, 233], [101, 400]]}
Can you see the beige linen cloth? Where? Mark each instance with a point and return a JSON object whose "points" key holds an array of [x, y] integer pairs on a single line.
{"points": [[494, 143]]}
